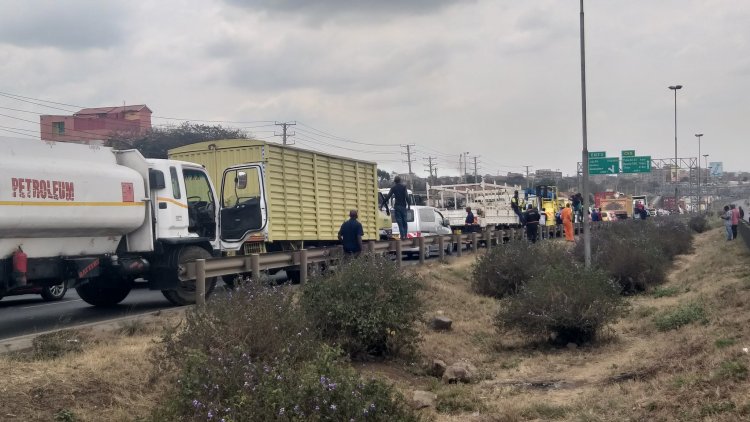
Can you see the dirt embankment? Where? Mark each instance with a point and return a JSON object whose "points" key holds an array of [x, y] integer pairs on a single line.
{"points": [[645, 369]]}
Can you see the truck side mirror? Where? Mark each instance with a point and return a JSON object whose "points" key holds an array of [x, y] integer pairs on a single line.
{"points": [[241, 180], [156, 179]]}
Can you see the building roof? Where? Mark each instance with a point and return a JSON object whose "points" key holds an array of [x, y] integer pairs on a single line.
{"points": [[112, 110]]}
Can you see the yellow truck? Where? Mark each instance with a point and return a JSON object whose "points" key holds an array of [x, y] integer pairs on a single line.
{"points": [[616, 208], [282, 197]]}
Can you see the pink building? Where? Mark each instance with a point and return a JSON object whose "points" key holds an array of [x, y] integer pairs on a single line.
{"points": [[96, 124]]}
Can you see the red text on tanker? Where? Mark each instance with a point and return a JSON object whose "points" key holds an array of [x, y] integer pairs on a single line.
{"points": [[43, 189]]}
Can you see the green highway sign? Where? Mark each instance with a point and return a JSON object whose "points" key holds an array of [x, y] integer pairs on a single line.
{"points": [[636, 164], [606, 165], [628, 153], [598, 154]]}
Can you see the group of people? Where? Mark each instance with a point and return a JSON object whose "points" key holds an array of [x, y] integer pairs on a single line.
{"points": [[532, 219], [732, 216]]}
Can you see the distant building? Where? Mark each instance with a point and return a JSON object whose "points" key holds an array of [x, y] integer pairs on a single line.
{"points": [[92, 125], [547, 174]]}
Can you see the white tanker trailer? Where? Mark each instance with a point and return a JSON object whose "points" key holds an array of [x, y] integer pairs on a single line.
{"points": [[97, 219]]}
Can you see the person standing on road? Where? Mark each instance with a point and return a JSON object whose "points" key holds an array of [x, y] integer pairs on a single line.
{"points": [[742, 214], [735, 220], [400, 206], [727, 217], [350, 235], [567, 219], [532, 223]]}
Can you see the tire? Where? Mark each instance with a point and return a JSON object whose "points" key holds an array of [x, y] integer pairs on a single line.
{"points": [[54, 293], [185, 294], [104, 292]]}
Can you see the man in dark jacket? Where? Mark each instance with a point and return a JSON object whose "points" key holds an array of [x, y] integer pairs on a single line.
{"points": [[532, 223], [400, 206], [469, 223], [350, 235]]}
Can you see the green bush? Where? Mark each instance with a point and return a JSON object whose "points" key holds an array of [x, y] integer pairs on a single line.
{"points": [[504, 269], [250, 357], [626, 253], [567, 304], [365, 306], [682, 315], [699, 223]]}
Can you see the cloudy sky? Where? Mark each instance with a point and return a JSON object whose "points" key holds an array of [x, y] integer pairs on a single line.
{"points": [[499, 79]]}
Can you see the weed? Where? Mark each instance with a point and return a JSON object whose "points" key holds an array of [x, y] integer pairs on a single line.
{"points": [[456, 399], [732, 369], [367, 306], [682, 315], [545, 411], [132, 327], [644, 311], [59, 343], [713, 409], [724, 342], [65, 415], [665, 292]]}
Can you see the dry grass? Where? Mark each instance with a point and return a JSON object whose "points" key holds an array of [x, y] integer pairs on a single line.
{"points": [[697, 371], [109, 377]]}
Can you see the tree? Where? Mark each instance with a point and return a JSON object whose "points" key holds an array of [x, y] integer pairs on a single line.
{"points": [[383, 176], [158, 141]]}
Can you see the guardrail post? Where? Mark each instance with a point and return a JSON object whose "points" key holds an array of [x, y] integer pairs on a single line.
{"points": [[441, 247], [200, 282], [420, 242], [255, 267], [302, 266], [488, 239], [499, 237], [474, 242], [371, 246], [398, 252], [459, 245]]}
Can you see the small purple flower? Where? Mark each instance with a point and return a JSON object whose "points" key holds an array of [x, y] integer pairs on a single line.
{"points": [[210, 414], [281, 411], [333, 407], [196, 403]]}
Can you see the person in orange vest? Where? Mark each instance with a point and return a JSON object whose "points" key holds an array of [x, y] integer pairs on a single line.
{"points": [[567, 218]]}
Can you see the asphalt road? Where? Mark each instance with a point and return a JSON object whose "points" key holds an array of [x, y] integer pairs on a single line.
{"points": [[28, 314]]}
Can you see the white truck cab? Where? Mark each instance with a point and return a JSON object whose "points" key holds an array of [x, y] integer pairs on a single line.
{"points": [[422, 221]]}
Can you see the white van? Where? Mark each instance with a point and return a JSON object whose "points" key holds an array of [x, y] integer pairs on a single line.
{"points": [[423, 221]]}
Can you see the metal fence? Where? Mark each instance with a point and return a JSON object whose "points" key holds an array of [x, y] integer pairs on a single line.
{"points": [[302, 259]]}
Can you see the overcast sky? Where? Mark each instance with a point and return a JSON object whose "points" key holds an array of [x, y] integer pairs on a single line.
{"points": [[499, 79]]}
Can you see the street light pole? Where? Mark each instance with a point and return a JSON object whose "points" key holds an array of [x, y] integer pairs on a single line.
{"points": [[699, 135], [585, 154], [676, 165]]}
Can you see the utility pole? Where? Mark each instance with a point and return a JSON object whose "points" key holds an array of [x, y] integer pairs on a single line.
{"points": [[527, 175], [409, 160], [284, 134], [475, 169], [585, 153], [432, 166]]}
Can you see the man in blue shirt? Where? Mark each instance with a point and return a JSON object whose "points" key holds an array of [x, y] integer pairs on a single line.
{"points": [[350, 235], [400, 205]]}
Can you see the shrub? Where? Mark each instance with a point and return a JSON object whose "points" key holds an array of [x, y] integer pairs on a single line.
{"points": [[570, 304], [59, 343], [672, 235], [627, 256], [250, 357], [366, 306], [699, 223], [682, 315], [503, 270]]}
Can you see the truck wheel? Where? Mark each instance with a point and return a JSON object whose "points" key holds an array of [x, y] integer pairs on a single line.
{"points": [[56, 292], [185, 294], [103, 292]]}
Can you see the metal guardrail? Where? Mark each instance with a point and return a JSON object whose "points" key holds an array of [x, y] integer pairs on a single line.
{"points": [[743, 230], [254, 264]]}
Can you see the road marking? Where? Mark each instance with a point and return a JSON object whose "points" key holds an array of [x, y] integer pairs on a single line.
{"points": [[52, 303]]}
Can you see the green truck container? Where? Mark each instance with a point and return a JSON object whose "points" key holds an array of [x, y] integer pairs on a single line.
{"points": [[288, 197]]}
